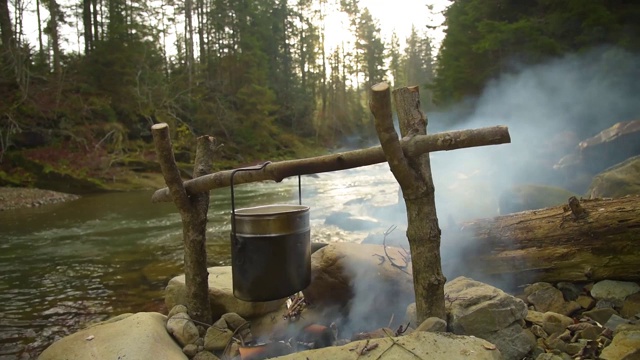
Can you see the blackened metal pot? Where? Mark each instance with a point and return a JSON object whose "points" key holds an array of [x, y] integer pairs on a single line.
{"points": [[270, 251]]}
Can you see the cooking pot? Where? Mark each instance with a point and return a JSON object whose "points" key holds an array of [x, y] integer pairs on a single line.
{"points": [[270, 249]]}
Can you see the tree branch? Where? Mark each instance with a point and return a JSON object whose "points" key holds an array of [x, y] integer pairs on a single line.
{"points": [[277, 171]]}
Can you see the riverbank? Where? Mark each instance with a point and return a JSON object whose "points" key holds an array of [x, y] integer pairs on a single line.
{"points": [[16, 198]]}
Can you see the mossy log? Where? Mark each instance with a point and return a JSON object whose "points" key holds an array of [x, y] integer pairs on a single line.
{"points": [[586, 240]]}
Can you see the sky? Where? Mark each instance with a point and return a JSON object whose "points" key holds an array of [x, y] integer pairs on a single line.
{"points": [[396, 15]]}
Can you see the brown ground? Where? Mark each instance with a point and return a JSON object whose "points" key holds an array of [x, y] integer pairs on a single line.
{"points": [[15, 198]]}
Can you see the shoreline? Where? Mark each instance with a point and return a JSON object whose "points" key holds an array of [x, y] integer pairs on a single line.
{"points": [[12, 198]]}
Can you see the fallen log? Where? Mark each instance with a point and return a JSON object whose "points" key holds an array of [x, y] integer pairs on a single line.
{"points": [[412, 146], [586, 240]]}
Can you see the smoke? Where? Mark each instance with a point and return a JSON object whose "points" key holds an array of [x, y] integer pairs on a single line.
{"points": [[548, 108]]}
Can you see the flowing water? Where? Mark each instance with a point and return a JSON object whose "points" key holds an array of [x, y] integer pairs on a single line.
{"points": [[68, 265]]}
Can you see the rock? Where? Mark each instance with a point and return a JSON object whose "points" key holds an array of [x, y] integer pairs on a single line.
{"points": [[220, 295], [514, 342], [423, 345], [183, 329], [487, 312], [205, 355], [574, 348], [615, 291], [233, 320], [190, 350], [177, 309], [535, 317], [600, 315], [555, 323], [545, 297], [591, 333], [614, 322], [345, 274], [631, 306], [617, 181], [625, 346], [586, 302], [538, 331], [549, 356], [570, 291], [139, 336], [433, 324], [411, 316], [217, 339]]}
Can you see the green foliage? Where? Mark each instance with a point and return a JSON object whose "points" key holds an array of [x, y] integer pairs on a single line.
{"points": [[487, 38]]}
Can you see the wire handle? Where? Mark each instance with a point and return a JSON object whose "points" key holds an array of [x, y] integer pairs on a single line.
{"points": [[233, 200]]}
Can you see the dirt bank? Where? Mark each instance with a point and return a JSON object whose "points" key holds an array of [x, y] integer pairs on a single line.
{"points": [[15, 198]]}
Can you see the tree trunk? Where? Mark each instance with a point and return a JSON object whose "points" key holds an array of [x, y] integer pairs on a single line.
{"points": [[347, 160], [601, 241], [413, 173], [193, 211], [8, 40], [88, 26], [54, 14]]}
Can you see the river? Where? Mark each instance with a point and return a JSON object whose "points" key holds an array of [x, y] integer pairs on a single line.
{"points": [[68, 265]]}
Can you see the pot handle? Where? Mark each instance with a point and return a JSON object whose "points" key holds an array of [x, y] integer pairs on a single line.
{"points": [[233, 200]]}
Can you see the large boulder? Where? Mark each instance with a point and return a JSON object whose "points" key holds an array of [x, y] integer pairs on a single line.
{"points": [[418, 345], [361, 282], [136, 336], [617, 181], [481, 310], [220, 295]]}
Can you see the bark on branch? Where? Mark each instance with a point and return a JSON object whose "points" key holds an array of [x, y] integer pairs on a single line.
{"points": [[411, 146], [413, 173], [193, 211]]}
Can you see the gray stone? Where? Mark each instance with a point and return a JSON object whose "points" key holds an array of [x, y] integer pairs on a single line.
{"points": [[570, 291], [615, 321], [220, 295], [489, 313], [513, 341], [177, 309], [538, 331], [221, 324], [600, 315], [586, 302], [190, 350], [217, 339], [555, 323], [345, 274], [139, 336], [423, 345], [205, 355], [234, 320], [574, 348], [617, 181], [433, 324], [625, 346], [549, 356], [631, 306], [545, 297], [183, 329], [616, 291], [591, 333], [535, 317], [410, 315]]}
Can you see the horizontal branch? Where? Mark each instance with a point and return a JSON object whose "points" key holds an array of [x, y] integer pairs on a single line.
{"points": [[278, 171]]}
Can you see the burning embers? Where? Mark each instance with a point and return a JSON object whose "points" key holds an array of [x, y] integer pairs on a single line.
{"points": [[300, 333]]}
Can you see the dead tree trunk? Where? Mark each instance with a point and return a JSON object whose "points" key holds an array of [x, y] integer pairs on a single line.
{"points": [[413, 173], [587, 241], [412, 146], [193, 211]]}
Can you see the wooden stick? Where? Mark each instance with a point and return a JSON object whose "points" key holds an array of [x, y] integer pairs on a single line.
{"points": [[411, 146]]}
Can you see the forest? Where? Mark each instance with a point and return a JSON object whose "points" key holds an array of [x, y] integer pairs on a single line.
{"points": [[257, 75]]}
